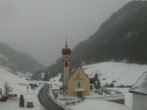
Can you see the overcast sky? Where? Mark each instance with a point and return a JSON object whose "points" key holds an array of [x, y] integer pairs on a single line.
{"points": [[40, 27]]}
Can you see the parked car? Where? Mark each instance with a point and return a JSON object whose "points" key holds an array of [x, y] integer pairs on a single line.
{"points": [[30, 104]]}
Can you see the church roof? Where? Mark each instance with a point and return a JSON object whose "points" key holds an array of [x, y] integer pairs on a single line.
{"points": [[140, 87], [66, 50], [74, 72]]}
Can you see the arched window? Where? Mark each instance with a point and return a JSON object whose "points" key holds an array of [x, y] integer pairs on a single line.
{"points": [[79, 85], [66, 64]]}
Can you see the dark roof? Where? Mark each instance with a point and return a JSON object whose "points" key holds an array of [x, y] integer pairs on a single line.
{"points": [[66, 51], [74, 72], [140, 87]]}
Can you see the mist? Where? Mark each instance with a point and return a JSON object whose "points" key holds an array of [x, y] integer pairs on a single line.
{"points": [[40, 27]]}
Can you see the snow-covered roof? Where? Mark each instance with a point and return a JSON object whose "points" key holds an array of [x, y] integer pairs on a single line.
{"points": [[140, 87]]}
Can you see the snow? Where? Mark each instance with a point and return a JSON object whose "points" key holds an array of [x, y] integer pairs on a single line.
{"points": [[55, 83], [121, 73], [19, 85], [98, 105], [128, 96], [141, 85]]}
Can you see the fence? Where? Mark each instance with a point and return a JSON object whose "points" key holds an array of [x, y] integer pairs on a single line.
{"points": [[55, 101], [113, 98]]}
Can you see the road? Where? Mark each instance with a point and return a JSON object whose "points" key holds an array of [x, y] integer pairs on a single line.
{"points": [[44, 99]]}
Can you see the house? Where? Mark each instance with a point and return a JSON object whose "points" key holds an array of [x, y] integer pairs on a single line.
{"points": [[139, 91], [76, 83]]}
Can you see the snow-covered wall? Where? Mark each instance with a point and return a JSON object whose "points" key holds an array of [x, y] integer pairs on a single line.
{"points": [[139, 102]]}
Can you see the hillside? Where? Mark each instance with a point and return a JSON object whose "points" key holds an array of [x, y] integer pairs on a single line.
{"points": [[123, 75], [17, 61], [119, 73], [121, 37]]}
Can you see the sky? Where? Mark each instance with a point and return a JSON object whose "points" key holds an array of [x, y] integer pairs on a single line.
{"points": [[40, 27]]}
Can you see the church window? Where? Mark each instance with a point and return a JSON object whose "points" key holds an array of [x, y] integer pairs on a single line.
{"points": [[66, 64], [79, 85]]}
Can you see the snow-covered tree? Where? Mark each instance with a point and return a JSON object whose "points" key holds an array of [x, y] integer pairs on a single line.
{"points": [[97, 82]]}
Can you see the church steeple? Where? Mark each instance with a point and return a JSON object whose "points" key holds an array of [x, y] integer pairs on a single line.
{"points": [[66, 52]]}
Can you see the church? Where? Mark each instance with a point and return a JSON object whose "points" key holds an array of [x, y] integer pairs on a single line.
{"points": [[75, 83]]}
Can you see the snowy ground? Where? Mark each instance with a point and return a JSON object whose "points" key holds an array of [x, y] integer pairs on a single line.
{"points": [[98, 105], [126, 74], [19, 87], [95, 104], [121, 73]]}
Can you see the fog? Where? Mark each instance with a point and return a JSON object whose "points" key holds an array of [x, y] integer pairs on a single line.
{"points": [[39, 27]]}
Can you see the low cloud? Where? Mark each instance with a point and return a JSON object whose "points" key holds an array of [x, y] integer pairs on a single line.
{"points": [[39, 27]]}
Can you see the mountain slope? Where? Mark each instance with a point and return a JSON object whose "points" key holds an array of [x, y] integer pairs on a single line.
{"points": [[118, 73], [17, 61], [121, 37]]}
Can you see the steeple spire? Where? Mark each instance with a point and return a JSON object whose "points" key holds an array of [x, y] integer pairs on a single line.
{"points": [[66, 42]]}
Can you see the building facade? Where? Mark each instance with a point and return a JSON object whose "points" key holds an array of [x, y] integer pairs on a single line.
{"points": [[76, 83], [66, 54]]}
